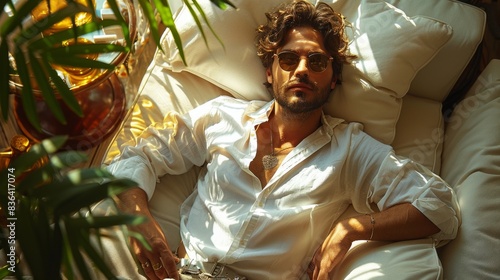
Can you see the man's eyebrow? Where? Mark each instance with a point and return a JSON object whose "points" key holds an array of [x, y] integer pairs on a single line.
{"points": [[299, 52]]}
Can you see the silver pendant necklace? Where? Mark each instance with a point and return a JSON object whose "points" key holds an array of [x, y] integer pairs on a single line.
{"points": [[270, 161]]}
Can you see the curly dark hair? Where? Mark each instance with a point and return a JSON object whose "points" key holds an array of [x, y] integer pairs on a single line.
{"points": [[322, 17]]}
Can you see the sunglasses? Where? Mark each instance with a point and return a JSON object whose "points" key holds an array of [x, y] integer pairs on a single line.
{"points": [[317, 62]]}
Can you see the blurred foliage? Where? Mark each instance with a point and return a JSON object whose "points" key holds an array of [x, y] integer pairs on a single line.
{"points": [[47, 202], [24, 52]]}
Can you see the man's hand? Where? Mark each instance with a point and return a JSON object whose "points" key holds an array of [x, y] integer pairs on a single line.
{"points": [[399, 222], [159, 262], [330, 254]]}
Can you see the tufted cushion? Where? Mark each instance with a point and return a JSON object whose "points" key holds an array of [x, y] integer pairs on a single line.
{"points": [[420, 132], [471, 164], [391, 260], [436, 79], [381, 75]]}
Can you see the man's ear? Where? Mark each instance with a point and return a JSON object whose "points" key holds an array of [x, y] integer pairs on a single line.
{"points": [[334, 83], [269, 75]]}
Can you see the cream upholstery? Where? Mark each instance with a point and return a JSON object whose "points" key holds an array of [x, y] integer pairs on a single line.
{"points": [[381, 74], [464, 150], [471, 163]]}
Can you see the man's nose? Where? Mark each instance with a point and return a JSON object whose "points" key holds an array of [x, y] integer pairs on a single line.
{"points": [[302, 66]]}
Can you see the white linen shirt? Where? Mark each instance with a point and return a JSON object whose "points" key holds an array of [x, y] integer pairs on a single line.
{"points": [[272, 231]]}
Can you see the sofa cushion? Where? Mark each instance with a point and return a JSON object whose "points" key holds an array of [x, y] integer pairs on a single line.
{"points": [[471, 164], [420, 132], [374, 84], [437, 78], [381, 75], [391, 260], [161, 91]]}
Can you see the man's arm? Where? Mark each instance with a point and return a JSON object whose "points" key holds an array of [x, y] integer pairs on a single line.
{"points": [[159, 263], [400, 222]]}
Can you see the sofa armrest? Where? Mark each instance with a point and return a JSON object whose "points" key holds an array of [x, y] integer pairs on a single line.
{"points": [[471, 164]]}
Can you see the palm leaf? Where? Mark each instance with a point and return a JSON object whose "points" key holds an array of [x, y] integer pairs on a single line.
{"points": [[71, 236], [93, 194], [91, 252], [149, 13], [121, 21], [27, 97], [51, 236], [35, 178], [55, 39], [62, 88], [71, 184], [34, 30], [4, 271], [202, 14], [4, 79], [196, 19], [80, 62], [107, 221], [167, 19], [45, 89], [16, 20], [32, 246], [36, 153], [68, 159], [86, 49], [223, 4]]}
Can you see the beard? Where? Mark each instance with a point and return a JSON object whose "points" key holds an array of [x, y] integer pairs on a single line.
{"points": [[301, 103]]}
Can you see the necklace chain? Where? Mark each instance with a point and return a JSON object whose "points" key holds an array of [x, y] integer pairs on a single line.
{"points": [[270, 161]]}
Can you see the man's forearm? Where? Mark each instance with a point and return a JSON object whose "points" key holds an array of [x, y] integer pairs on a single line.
{"points": [[133, 201], [400, 222]]}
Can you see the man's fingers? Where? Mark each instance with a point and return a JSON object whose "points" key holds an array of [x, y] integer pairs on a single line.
{"points": [[170, 266], [169, 263], [148, 270], [166, 266], [159, 269]]}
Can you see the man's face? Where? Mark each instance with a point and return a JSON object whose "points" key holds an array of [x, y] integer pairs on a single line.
{"points": [[303, 86]]}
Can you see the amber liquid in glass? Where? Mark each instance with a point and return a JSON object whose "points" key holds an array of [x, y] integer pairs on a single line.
{"points": [[48, 7], [103, 106]]}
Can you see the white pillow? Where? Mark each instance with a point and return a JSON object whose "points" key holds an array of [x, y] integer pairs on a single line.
{"points": [[391, 49], [413, 259], [420, 132], [233, 64], [471, 165]]}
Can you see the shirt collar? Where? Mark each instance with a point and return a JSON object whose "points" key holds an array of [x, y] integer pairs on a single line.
{"points": [[259, 111]]}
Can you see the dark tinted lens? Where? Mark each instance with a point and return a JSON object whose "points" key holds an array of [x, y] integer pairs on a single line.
{"points": [[288, 60], [318, 62]]}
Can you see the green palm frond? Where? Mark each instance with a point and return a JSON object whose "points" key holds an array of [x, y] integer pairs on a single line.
{"points": [[53, 229]]}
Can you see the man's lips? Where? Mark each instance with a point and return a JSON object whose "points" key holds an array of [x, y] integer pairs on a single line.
{"points": [[301, 86]]}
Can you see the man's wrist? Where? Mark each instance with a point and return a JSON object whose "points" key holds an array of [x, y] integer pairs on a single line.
{"points": [[133, 201], [359, 227]]}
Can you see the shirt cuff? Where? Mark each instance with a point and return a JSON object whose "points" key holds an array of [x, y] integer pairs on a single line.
{"points": [[134, 169]]}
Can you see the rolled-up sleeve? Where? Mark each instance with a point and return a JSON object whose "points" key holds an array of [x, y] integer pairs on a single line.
{"points": [[401, 180], [167, 147]]}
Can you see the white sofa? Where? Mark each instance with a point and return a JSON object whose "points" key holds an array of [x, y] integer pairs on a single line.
{"points": [[409, 61]]}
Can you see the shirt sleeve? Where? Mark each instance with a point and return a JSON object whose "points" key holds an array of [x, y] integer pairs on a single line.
{"points": [[403, 180], [172, 146], [382, 178]]}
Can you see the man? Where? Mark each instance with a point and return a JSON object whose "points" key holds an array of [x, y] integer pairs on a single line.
{"points": [[278, 174]]}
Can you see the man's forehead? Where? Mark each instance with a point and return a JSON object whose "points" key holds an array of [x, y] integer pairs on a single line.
{"points": [[303, 38]]}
